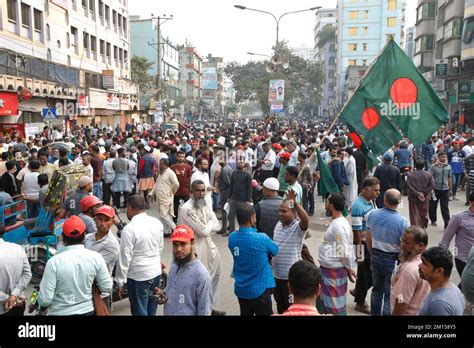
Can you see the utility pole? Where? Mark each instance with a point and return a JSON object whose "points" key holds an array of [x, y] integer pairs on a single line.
{"points": [[159, 21]]}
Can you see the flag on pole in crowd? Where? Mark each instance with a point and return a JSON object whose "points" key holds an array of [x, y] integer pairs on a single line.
{"points": [[360, 144], [393, 100]]}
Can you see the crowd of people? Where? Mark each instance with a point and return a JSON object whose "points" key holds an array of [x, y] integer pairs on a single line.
{"points": [[262, 175]]}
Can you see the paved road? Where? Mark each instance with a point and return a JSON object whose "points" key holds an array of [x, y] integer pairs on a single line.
{"points": [[318, 224]]}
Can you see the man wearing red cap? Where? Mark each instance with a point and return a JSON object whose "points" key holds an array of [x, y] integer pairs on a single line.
{"points": [[189, 289], [284, 159], [89, 206], [66, 286]]}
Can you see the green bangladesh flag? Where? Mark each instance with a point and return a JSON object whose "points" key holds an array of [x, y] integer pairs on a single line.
{"points": [[327, 184], [394, 100], [360, 144]]}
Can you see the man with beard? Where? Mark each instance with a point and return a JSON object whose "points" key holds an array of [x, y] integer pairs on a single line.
{"points": [[201, 173], [166, 186], [408, 289], [183, 173], [200, 217], [189, 289]]}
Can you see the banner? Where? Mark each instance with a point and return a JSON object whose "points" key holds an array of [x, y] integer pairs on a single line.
{"points": [[209, 78], [276, 91]]}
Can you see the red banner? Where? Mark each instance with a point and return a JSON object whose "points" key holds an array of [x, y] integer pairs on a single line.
{"points": [[8, 104], [10, 128]]}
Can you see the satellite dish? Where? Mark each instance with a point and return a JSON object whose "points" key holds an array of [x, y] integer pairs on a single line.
{"points": [[276, 59], [270, 68], [286, 63]]}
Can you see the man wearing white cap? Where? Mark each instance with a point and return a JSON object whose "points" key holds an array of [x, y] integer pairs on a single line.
{"points": [[267, 210]]}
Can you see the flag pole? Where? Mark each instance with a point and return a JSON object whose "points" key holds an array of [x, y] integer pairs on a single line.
{"points": [[345, 105]]}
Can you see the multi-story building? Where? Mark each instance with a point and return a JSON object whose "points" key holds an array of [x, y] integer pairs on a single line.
{"points": [[304, 52], [410, 42], [325, 52], [438, 48], [213, 83], [363, 29], [190, 73], [324, 17], [143, 43], [72, 55], [467, 59]]}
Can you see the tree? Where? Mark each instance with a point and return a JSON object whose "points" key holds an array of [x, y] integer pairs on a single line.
{"points": [[303, 78], [141, 73], [327, 33]]}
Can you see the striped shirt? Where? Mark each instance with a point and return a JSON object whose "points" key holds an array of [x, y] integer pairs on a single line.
{"points": [[386, 228], [108, 246], [300, 310], [361, 210], [91, 227], [290, 243]]}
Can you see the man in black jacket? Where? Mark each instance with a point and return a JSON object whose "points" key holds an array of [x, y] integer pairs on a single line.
{"points": [[9, 182], [240, 190], [389, 176]]}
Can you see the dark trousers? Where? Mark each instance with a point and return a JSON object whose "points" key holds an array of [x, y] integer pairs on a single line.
{"points": [[264, 175], [117, 196], [32, 209], [419, 213], [107, 193], [223, 200], [141, 302], [15, 312], [363, 282], [443, 197], [176, 206], [311, 201], [260, 306], [282, 295], [460, 265], [304, 200], [360, 180]]}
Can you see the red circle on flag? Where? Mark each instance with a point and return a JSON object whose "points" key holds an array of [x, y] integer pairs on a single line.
{"points": [[404, 93], [370, 118], [26, 94], [355, 139]]}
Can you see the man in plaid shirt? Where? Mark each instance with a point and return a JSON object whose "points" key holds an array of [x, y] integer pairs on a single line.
{"points": [[469, 173]]}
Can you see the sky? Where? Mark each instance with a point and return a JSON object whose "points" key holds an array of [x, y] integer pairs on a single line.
{"points": [[216, 27]]}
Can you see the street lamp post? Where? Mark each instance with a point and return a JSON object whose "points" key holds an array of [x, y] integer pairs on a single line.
{"points": [[277, 20]]}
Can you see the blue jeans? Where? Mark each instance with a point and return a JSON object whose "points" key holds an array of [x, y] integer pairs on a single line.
{"points": [[456, 181], [139, 294], [32, 209], [97, 190], [382, 268], [215, 200]]}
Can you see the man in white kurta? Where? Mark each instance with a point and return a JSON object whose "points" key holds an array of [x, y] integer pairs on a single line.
{"points": [[201, 173], [166, 186], [197, 214], [350, 192]]}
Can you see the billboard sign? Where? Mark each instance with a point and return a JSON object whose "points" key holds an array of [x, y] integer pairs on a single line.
{"points": [[276, 92], [209, 78]]}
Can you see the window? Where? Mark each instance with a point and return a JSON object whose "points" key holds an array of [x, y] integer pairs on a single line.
{"points": [[332, 61], [68, 60], [68, 40], [365, 14], [25, 15], [48, 55], [365, 30], [11, 10], [38, 16], [108, 53], [352, 47], [48, 33], [332, 48], [74, 39], [364, 62], [116, 55], [352, 62], [392, 5], [391, 21], [74, 5], [84, 3], [107, 15], [92, 6], [101, 9], [190, 76], [364, 46], [93, 44], [468, 30], [58, 44], [125, 58], [353, 14], [121, 56], [424, 43], [331, 74], [86, 41], [452, 29], [102, 47], [66, 17], [353, 31], [125, 26], [114, 19], [426, 10]]}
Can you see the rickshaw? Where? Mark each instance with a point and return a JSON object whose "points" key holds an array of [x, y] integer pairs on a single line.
{"points": [[41, 235]]}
